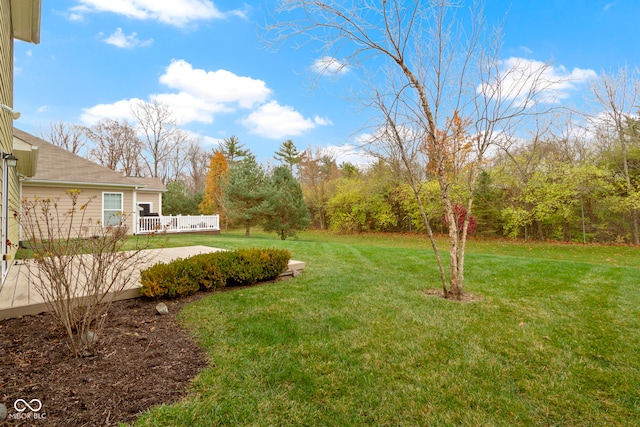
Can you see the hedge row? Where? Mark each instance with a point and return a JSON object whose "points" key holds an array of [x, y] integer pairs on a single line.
{"points": [[186, 276]]}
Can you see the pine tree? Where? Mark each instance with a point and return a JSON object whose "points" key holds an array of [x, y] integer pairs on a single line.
{"points": [[233, 150], [288, 154], [246, 192], [285, 209]]}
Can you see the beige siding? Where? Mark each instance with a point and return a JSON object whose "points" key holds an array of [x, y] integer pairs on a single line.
{"points": [[94, 195], [14, 210], [6, 122], [155, 198]]}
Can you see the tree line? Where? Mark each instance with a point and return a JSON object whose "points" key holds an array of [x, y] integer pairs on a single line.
{"points": [[565, 182]]}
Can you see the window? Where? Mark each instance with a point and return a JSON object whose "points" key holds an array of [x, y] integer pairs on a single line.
{"points": [[112, 207]]}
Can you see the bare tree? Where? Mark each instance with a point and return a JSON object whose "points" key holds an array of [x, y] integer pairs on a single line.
{"points": [[317, 172], [435, 66], [197, 162], [65, 135], [116, 146], [161, 138], [618, 96]]}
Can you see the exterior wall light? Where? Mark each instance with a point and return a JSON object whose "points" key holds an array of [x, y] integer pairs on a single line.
{"points": [[15, 115], [12, 161]]}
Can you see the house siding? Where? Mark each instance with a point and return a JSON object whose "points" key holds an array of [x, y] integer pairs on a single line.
{"points": [[6, 122], [93, 212], [154, 198]]}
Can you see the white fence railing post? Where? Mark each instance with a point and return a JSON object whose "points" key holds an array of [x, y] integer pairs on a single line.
{"points": [[177, 224]]}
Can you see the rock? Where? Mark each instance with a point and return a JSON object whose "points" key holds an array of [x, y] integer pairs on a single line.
{"points": [[89, 337], [162, 308], [3, 412], [297, 273]]}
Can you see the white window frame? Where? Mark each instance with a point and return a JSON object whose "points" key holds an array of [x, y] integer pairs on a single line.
{"points": [[120, 211]]}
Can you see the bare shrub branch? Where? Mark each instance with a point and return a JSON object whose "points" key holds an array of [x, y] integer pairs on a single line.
{"points": [[78, 266]]}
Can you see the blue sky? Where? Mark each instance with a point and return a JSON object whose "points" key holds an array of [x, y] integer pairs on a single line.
{"points": [[205, 59]]}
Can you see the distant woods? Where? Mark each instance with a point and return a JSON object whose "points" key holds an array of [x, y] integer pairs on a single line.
{"points": [[571, 179]]}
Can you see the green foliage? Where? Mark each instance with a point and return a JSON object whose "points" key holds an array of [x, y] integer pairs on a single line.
{"points": [[354, 208], [431, 200], [178, 200], [245, 193], [487, 203], [552, 200], [285, 209], [363, 203], [288, 154], [233, 150], [212, 271]]}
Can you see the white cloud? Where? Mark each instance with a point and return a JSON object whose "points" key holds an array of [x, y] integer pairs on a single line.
{"points": [[525, 49], [120, 110], [276, 121], [42, 109], [202, 95], [329, 65], [179, 13], [322, 121], [520, 77], [188, 108], [349, 154], [120, 39], [29, 53], [219, 86]]}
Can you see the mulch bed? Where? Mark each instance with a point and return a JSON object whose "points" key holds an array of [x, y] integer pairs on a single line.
{"points": [[141, 360]]}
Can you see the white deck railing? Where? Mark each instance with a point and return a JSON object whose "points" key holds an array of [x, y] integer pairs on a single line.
{"points": [[178, 224]]}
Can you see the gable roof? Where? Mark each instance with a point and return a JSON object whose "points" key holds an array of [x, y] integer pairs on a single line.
{"points": [[58, 166]]}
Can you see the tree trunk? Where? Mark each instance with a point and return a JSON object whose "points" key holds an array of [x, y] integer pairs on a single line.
{"points": [[627, 177], [636, 229], [246, 230], [540, 231]]}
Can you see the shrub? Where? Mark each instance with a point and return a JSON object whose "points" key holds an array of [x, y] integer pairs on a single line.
{"points": [[78, 262], [211, 271], [253, 265]]}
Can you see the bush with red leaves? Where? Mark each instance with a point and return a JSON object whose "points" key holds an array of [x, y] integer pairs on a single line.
{"points": [[460, 212]]}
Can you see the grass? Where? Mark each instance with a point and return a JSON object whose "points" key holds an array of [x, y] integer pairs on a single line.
{"points": [[553, 340]]}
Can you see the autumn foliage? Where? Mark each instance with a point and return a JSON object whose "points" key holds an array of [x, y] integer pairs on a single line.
{"points": [[460, 213], [212, 202]]}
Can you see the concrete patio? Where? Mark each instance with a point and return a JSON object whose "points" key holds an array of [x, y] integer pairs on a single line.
{"points": [[18, 297]]}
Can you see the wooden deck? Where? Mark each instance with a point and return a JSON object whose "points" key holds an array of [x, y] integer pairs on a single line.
{"points": [[18, 297]]}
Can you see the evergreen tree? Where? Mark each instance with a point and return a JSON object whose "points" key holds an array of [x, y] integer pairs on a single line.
{"points": [[233, 150], [246, 192], [179, 201], [285, 209], [288, 154]]}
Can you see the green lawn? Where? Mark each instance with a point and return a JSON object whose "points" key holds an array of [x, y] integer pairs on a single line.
{"points": [[553, 340]]}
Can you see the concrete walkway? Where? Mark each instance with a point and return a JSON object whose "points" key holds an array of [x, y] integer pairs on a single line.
{"points": [[18, 297]]}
